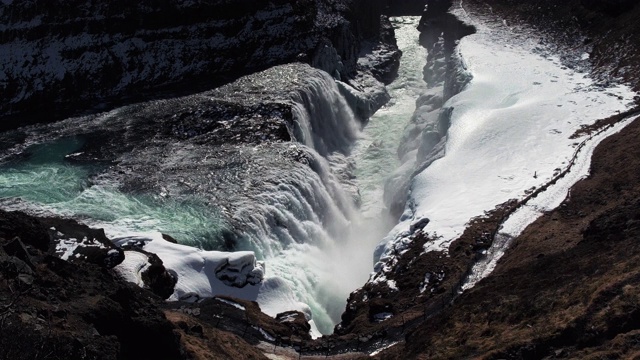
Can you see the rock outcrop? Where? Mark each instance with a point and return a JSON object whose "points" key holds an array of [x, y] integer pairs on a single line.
{"points": [[50, 307]]}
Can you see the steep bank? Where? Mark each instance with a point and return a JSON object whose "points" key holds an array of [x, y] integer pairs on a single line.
{"points": [[78, 56]]}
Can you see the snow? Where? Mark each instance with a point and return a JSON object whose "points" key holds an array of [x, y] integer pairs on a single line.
{"points": [[509, 131], [66, 247], [378, 351], [392, 285], [265, 334], [195, 268], [196, 273]]}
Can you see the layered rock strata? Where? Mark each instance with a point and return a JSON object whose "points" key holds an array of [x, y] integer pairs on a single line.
{"points": [[81, 56]]}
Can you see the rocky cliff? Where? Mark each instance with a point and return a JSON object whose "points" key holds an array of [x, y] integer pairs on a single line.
{"points": [[68, 57]]}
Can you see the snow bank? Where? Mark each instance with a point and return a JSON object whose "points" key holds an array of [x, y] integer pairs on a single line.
{"points": [[210, 273]]}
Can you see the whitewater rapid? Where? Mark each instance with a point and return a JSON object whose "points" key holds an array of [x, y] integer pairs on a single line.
{"points": [[376, 152]]}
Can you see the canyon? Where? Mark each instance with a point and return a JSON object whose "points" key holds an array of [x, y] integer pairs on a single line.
{"points": [[252, 188]]}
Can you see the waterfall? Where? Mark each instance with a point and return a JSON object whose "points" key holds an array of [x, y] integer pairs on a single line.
{"points": [[290, 202], [324, 120], [305, 204], [300, 222]]}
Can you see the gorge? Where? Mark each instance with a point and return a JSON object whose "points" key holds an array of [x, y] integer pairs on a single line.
{"points": [[284, 171]]}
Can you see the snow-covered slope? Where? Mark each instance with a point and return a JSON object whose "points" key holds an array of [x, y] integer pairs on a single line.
{"points": [[510, 132]]}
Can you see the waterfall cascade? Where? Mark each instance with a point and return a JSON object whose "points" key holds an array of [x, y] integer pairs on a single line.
{"points": [[289, 202], [323, 119]]}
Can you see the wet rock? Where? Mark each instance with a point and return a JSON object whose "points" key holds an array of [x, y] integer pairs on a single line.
{"points": [[169, 238], [419, 225], [364, 94], [428, 141]]}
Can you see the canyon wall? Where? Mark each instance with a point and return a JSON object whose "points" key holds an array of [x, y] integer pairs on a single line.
{"points": [[63, 58]]}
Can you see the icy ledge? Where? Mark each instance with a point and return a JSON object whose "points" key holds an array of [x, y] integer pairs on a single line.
{"points": [[509, 133]]}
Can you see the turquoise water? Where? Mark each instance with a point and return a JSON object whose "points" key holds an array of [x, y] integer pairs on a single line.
{"points": [[43, 182]]}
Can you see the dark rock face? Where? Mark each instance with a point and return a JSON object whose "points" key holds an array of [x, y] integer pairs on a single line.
{"points": [[405, 7], [611, 8], [65, 238], [439, 33], [243, 317], [71, 57], [79, 310], [27, 228]]}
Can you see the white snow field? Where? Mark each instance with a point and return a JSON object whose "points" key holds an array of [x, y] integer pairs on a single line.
{"points": [[510, 130]]}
